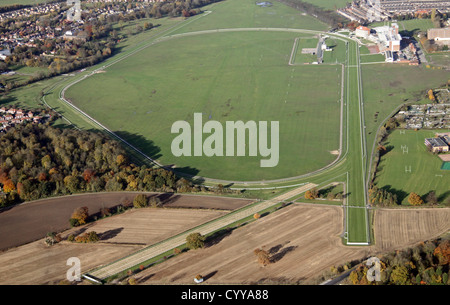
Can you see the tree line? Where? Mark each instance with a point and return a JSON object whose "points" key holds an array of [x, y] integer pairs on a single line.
{"points": [[424, 264], [38, 161]]}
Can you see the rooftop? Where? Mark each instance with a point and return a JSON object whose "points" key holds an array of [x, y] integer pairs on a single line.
{"points": [[436, 142]]}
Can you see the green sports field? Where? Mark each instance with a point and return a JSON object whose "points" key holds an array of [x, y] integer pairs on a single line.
{"points": [[445, 166], [409, 167], [227, 77], [245, 14]]}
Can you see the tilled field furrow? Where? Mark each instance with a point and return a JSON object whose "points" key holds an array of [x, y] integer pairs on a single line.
{"points": [[153, 251]]}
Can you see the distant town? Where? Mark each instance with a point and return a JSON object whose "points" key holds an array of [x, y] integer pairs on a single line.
{"points": [[367, 11]]}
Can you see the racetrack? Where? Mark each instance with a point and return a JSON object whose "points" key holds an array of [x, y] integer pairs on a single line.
{"points": [[148, 159], [352, 158]]}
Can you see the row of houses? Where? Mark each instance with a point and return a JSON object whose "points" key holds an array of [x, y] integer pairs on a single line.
{"points": [[25, 31], [367, 11], [9, 117], [414, 6], [42, 9], [363, 12]]}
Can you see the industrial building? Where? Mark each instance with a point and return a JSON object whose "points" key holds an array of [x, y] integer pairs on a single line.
{"points": [[439, 36]]}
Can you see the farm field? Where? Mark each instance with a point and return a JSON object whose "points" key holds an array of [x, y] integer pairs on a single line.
{"points": [[299, 233], [396, 228], [148, 226], [120, 235], [226, 77], [426, 174], [23, 224], [37, 264]]}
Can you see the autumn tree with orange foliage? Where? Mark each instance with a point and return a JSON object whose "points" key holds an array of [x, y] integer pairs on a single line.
{"points": [[42, 176], [79, 216], [431, 96], [88, 174], [311, 194], [442, 252], [8, 186], [415, 199], [263, 256]]}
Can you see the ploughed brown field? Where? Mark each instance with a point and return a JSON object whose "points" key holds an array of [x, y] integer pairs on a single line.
{"points": [[304, 240], [33, 220], [408, 227], [35, 263]]}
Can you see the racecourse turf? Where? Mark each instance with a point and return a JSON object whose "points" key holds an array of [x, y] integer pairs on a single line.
{"points": [[227, 77]]}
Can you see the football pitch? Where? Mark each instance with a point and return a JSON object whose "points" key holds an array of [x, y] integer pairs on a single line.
{"points": [[408, 167]]}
